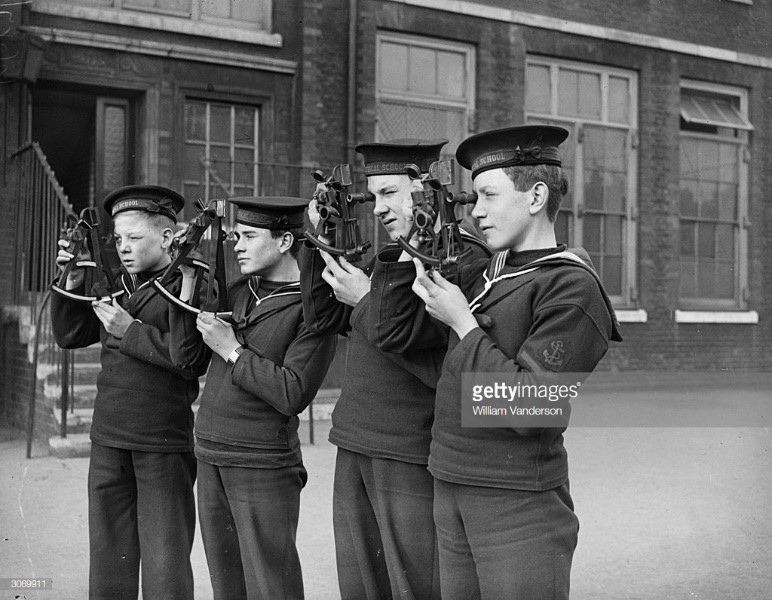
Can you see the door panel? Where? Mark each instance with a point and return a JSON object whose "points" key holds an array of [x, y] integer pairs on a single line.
{"points": [[112, 146], [112, 158]]}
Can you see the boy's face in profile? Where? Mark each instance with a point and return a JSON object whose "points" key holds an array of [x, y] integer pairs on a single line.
{"points": [[257, 251], [142, 243], [393, 202], [501, 211]]}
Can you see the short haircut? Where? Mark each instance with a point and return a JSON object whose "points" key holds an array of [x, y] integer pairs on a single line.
{"points": [[157, 221], [297, 234], [525, 177], [160, 222]]}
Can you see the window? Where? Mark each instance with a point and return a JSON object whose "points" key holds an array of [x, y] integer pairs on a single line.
{"points": [[425, 89], [713, 197], [714, 112], [598, 107], [221, 151], [171, 7], [254, 14]]}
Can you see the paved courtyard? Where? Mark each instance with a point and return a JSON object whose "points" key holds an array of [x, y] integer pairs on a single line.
{"points": [[666, 513]]}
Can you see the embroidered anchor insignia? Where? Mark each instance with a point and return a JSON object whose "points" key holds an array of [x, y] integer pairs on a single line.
{"points": [[555, 359]]}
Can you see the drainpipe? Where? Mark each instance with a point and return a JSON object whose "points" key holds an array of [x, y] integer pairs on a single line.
{"points": [[352, 88]]}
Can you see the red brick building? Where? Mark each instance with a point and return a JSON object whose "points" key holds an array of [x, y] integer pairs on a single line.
{"points": [[669, 105]]}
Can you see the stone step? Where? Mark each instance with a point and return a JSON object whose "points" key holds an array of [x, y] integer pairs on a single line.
{"points": [[86, 373], [90, 354], [77, 445], [327, 396], [78, 420], [83, 373], [83, 394], [323, 405]]}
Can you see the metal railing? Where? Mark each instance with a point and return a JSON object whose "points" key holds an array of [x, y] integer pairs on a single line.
{"points": [[42, 212], [42, 209]]}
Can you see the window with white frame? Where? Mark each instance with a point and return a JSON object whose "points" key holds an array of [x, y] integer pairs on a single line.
{"points": [[251, 12], [220, 151], [425, 89], [598, 106], [713, 199]]}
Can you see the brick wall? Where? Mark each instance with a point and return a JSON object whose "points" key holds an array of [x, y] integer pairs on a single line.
{"points": [[501, 49], [305, 120], [743, 27], [10, 117], [17, 381], [325, 82], [15, 371]]}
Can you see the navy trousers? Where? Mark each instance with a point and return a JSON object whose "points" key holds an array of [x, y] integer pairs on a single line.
{"points": [[141, 515], [498, 544], [385, 543], [249, 520]]}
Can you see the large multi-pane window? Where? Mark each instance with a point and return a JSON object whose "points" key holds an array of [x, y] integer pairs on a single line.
{"points": [[220, 151], [713, 197], [255, 12], [425, 89], [598, 107]]}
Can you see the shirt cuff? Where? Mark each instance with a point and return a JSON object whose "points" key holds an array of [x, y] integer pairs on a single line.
{"points": [[359, 313], [394, 271], [461, 352], [129, 342]]}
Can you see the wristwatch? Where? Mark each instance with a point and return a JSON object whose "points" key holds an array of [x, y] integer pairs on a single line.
{"points": [[234, 356]]}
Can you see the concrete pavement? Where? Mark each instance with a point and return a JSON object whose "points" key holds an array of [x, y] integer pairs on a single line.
{"points": [[44, 521], [666, 513]]}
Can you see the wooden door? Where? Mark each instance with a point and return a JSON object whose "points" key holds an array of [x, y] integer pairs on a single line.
{"points": [[112, 152]]}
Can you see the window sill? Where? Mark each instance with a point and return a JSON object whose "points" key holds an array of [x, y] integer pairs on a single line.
{"points": [[632, 316], [747, 317], [160, 22]]}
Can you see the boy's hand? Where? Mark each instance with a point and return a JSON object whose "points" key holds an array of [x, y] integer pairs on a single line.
{"points": [[114, 318], [444, 300], [313, 209], [349, 283], [217, 334], [189, 276], [313, 215], [76, 276]]}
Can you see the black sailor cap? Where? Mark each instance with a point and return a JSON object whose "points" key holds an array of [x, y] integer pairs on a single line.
{"points": [[152, 199], [395, 156], [510, 147], [270, 212]]}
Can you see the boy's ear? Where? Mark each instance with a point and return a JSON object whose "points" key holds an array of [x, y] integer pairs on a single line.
{"points": [[167, 235], [287, 239], [539, 193]]}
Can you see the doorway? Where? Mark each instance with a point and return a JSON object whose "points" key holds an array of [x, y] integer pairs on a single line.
{"points": [[88, 137]]}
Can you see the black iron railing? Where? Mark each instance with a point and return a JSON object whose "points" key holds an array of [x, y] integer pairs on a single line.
{"points": [[42, 209]]}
